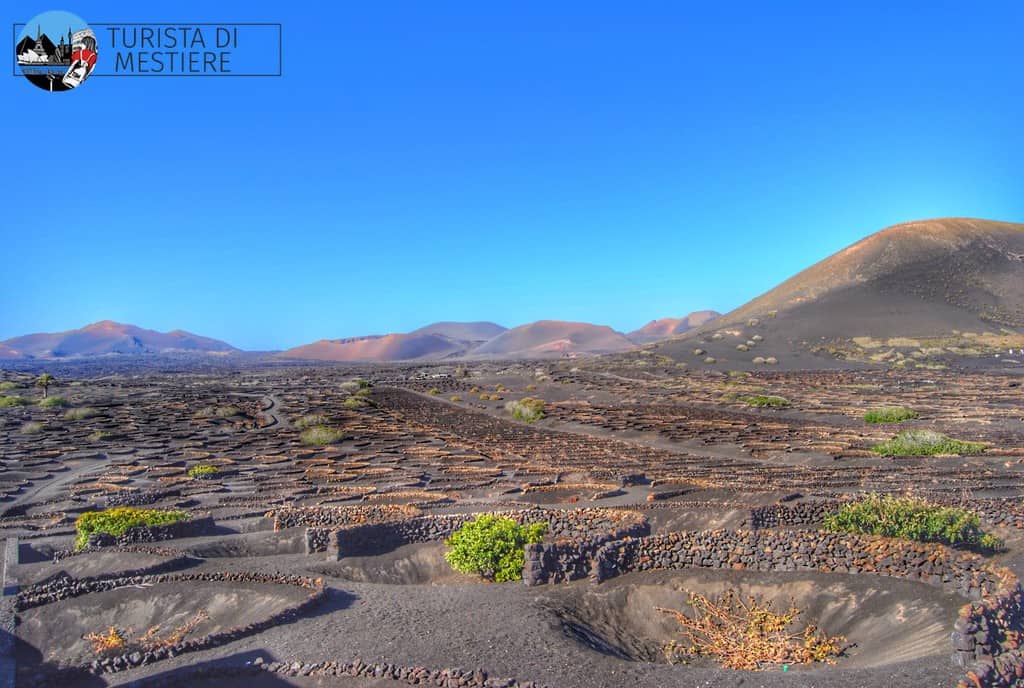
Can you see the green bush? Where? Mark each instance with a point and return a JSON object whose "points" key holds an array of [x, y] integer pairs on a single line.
{"points": [[526, 409], [118, 520], [98, 436], [228, 411], [81, 413], [926, 443], [354, 403], [7, 385], [433, 390], [766, 400], [54, 402], [309, 421], [890, 414], [202, 471], [320, 435], [32, 428], [492, 546], [11, 401], [912, 519]]}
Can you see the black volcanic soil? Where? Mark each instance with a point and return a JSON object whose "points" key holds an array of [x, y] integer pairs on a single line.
{"points": [[668, 431]]}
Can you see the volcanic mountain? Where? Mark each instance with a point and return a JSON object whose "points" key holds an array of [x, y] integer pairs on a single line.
{"points": [[918, 285], [388, 347], [108, 337], [547, 338], [664, 328], [465, 331]]}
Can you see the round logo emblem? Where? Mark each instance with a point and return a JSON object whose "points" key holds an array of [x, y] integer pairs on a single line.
{"points": [[56, 51]]}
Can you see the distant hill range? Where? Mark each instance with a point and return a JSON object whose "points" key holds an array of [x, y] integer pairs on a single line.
{"points": [[388, 347], [911, 294], [108, 338], [543, 339], [670, 327]]}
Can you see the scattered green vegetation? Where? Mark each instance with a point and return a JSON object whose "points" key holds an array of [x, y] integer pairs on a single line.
{"points": [[228, 411], [890, 414], [767, 401], [81, 413], [32, 428], [320, 435], [363, 392], [926, 443], [7, 386], [309, 420], [527, 409], [118, 520], [356, 402], [434, 390], [44, 382], [492, 546], [913, 519], [54, 402], [202, 471], [11, 401], [98, 436]]}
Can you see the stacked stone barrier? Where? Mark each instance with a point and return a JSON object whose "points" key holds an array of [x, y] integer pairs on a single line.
{"points": [[986, 637], [571, 541], [65, 588], [194, 527], [780, 515], [408, 675]]}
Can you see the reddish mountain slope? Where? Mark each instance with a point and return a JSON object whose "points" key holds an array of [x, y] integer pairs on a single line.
{"points": [[670, 327], [548, 338], [108, 337], [391, 347]]}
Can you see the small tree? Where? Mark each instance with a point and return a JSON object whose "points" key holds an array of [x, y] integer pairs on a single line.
{"points": [[492, 546], [44, 381]]}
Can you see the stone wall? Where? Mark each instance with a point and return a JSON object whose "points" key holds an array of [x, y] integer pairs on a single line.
{"points": [[809, 513], [328, 516], [191, 528], [572, 539], [408, 675]]}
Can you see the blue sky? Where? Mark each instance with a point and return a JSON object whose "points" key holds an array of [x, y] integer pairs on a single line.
{"points": [[597, 161]]}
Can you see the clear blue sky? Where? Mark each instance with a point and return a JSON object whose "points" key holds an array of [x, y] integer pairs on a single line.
{"points": [[598, 161]]}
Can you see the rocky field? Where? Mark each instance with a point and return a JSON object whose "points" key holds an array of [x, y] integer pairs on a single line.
{"points": [[317, 501]]}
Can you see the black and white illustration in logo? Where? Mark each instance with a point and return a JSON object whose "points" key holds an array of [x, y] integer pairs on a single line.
{"points": [[56, 51]]}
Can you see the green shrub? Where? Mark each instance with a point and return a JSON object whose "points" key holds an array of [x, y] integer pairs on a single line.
{"points": [[7, 385], [363, 392], [32, 428], [310, 420], [228, 411], [54, 402], [118, 520], [81, 413], [356, 402], [767, 401], [526, 409], [320, 435], [11, 401], [434, 390], [492, 546], [202, 471], [926, 443], [912, 519], [890, 414], [98, 436]]}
